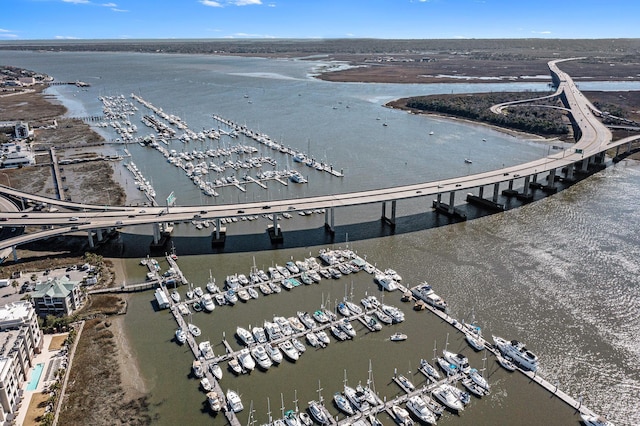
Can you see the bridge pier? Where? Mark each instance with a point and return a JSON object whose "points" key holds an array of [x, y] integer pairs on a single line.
{"points": [[496, 192], [329, 220], [99, 235], [156, 233], [525, 195], [15, 253], [90, 237], [481, 191], [391, 221], [218, 236], [448, 209]]}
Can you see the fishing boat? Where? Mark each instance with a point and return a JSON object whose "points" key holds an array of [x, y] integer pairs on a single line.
{"points": [[206, 350], [346, 326], [323, 337], [207, 303], [231, 297], [235, 366], [181, 336], [417, 405], [175, 296], [194, 329], [205, 384], [401, 416], [372, 323], [243, 295], [398, 337], [518, 353], [214, 401], [216, 370], [312, 339], [197, 369], [245, 336], [446, 396], [296, 324]]}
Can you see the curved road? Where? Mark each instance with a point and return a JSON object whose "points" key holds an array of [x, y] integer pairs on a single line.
{"points": [[595, 138]]}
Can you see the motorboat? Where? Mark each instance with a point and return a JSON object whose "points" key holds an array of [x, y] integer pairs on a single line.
{"points": [[198, 292], [383, 318], [232, 283], [216, 370], [300, 347], [181, 336], [357, 399], [284, 324], [372, 323], [323, 337], [284, 272], [212, 287], [234, 401], [448, 397], [314, 275], [463, 396], [205, 384], [197, 369], [369, 395], [401, 416], [220, 298], [346, 326], [291, 418], [320, 316], [429, 369], [395, 313], [312, 339], [243, 280], [334, 272], [355, 309], [518, 353], [253, 293], [214, 401], [235, 366], [475, 341], [259, 334], [245, 359], [306, 279], [458, 360], [275, 287], [292, 267], [306, 319], [474, 388], [338, 333], [505, 363], [273, 331], [289, 350], [190, 294], [447, 367], [286, 284], [398, 337], [419, 408], [206, 350], [274, 353], [175, 296], [245, 336], [592, 420], [478, 378], [231, 297], [262, 358], [243, 295], [343, 309], [406, 383], [296, 324], [318, 413], [207, 303], [265, 289], [393, 274], [342, 403], [183, 309], [386, 282], [194, 329], [197, 307], [274, 274]]}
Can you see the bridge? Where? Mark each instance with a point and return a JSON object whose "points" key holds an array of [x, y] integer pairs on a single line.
{"points": [[592, 140]]}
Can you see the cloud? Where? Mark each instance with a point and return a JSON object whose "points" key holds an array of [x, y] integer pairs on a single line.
{"points": [[77, 1], [65, 38], [7, 33], [247, 35], [541, 32], [245, 2], [211, 3], [109, 5]]}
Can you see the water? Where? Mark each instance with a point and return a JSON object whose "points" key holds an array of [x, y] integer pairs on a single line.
{"points": [[559, 274], [35, 377]]}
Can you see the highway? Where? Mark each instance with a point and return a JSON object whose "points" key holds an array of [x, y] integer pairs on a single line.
{"points": [[595, 138]]}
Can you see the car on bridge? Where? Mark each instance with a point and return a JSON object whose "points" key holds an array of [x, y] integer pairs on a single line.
{"points": [[73, 218]]}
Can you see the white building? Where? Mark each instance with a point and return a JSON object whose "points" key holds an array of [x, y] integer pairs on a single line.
{"points": [[20, 340]]}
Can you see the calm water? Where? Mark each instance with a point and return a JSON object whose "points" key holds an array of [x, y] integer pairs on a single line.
{"points": [[559, 274]]}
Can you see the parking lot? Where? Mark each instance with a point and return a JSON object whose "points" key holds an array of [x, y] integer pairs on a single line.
{"points": [[27, 285]]}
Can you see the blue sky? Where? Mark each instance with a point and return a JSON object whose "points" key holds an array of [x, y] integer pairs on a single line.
{"points": [[131, 19]]}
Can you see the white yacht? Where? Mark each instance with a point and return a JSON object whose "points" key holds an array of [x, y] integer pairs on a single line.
{"points": [[517, 352], [197, 369], [194, 329], [346, 326], [342, 403], [590, 420], [505, 363], [259, 334], [273, 330], [175, 296], [356, 399], [198, 291], [245, 359], [274, 353], [401, 416], [216, 370], [289, 350], [245, 336], [323, 337], [458, 360], [478, 378], [207, 303], [205, 384], [398, 337], [261, 357], [317, 412], [386, 282], [181, 336], [429, 369], [214, 401], [406, 383], [234, 401], [320, 316], [206, 350], [395, 313], [448, 397], [419, 408], [284, 324]]}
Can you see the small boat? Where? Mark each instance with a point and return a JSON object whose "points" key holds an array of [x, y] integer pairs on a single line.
{"points": [[505, 363], [274, 353], [234, 401], [181, 336], [447, 367], [194, 329], [197, 369], [205, 384], [190, 294], [265, 289], [259, 334], [300, 347], [323, 337], [275, 287], [284, 324], [206, 350], [306, 279], [198, 292], [243, 295], [355, 309], [175, 296], [231, 297], [518, 353], [286, 284], [306, 319], [398, 337], [291, 419], [305, 419], [468, 160], [312, 339], [235, 366], [372, 323], [342, 403], [262, 358], [292, 267], [246, 360], [214, 401], [253, 292], [197, 307], [207, 303], [320, 316], [216, 370], [478, 379], [459, 360], [245, 336], [343, 309], [474, 388], [346, 326], [384, 318], [183, 309], [296, 324], [338, 333], [401, 416], [220, 299], [590, 420]]}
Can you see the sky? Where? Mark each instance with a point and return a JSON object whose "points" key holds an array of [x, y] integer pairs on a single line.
{"points": [[241, 19]]}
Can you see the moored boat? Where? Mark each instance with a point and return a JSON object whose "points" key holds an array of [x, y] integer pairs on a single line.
{"points": [[342, 403], [194, 329], [216, 370], [289, 350], [175, 296], [419, 408], [207, 303], [234, 401], [214, 401], [181, 336], [401, 416], [318, 413], [518, 353], [205, 384], [446, 396], [197, 369], [398, 337]]}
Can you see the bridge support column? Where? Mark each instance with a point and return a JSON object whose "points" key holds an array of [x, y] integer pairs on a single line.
{"points": [[276, 228], [496, 192], [550, 187], [481, 191], [617, 150], [585, 165], [90, 236], [439, 199], [219, 235], [629, 147], [570, 169], [156, 233], [15, 253], [448, 209], [390, 220], [99, 234], [329, 220], [383, 215], [534, 178], [452, 200]]}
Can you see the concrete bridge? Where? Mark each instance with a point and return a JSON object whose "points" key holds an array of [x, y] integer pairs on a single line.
{"points": [[593, 139]]}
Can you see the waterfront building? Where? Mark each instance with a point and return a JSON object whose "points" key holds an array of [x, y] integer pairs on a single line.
{"points": [[20, 340], [57, 296]]}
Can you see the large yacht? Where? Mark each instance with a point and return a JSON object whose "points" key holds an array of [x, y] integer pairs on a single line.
{"points": [[318, 413], [445, 395], [419, 408], [235, 403], [261, 357], [207, 302], [517, 352], [386, 282], [458, 360]]}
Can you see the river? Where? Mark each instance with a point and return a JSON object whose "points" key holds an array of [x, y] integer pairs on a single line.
{"points": [[559, 274]]}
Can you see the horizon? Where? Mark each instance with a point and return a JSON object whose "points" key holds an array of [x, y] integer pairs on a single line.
{"points": [[78, 20]]}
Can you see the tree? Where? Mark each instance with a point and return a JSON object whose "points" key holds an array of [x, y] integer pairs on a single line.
{"points": [[15, 285]]}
